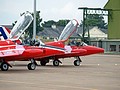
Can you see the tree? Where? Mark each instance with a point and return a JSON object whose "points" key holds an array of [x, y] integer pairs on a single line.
{"points": [[51, 22], [62, 22], [48, 23], [95, 20], [29, 31]]}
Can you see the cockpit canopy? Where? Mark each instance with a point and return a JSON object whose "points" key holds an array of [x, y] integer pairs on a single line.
{"points": [[68, 30], [21, 25]]}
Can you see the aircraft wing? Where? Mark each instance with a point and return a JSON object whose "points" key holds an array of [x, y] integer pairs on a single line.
{"points": [[11, 50]]}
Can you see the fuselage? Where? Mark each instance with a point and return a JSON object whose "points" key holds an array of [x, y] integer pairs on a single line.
{"points": [[75, 51], [10, 51]]}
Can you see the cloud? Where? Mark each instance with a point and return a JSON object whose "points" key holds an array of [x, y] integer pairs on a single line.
{"points": [[50, 10], [67, 9], [15, 7], [11, 9]]}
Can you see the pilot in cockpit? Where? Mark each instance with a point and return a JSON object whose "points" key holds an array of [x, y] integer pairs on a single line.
{"points": [[72, 42], [75, 42]]}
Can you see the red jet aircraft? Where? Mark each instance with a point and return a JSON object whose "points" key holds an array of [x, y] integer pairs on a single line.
{"points": [[70, 50], [11, 50], [54, 50]]}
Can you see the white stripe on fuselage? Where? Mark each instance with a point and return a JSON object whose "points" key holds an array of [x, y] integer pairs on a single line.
{"points": [[53, 48]]}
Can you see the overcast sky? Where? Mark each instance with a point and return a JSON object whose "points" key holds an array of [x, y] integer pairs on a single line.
{"points": [[50, 9]]}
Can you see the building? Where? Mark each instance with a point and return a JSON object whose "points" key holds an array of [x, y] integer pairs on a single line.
{"points": [[96, 34], [113, 19], [113, 42], [110, 46]]}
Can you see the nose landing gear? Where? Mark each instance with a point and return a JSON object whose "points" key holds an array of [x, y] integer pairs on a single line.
{"points": [[77, 62]]}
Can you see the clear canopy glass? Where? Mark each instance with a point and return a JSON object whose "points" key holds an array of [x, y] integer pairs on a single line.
{"points": [[68, 30], [21, 25]]}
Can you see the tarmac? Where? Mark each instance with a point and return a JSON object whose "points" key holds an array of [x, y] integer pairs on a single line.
{"points": [[97, 72]]}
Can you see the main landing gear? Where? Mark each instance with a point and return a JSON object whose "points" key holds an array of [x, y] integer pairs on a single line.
{"points": [[32, 65], [76, 62], [56, 62], [44, 62], [4, 66]]}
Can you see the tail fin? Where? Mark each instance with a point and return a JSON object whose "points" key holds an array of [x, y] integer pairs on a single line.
{"points": [[4, 33]]}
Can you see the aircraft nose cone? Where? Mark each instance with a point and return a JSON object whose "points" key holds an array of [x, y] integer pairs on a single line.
{"points": [[93, 50], [101, 50], [96, 50]]}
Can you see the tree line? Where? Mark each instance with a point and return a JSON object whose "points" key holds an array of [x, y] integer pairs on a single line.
{"points": [[91, 20]]}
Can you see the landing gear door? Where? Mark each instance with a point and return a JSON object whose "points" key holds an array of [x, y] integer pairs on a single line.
{"points": [[68, 30], [21, 25]]}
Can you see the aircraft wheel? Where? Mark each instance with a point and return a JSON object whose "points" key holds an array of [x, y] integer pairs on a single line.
{"points": [[77, 62], [56, 62], [31, 66], [43, 63], [4, 66]]}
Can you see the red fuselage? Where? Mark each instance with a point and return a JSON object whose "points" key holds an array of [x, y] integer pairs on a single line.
{"points": [[76, 50], [9, 51]]}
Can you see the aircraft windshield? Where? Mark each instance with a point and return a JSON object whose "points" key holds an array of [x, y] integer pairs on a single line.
{"points": [[21, 25], [68, 30]]}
